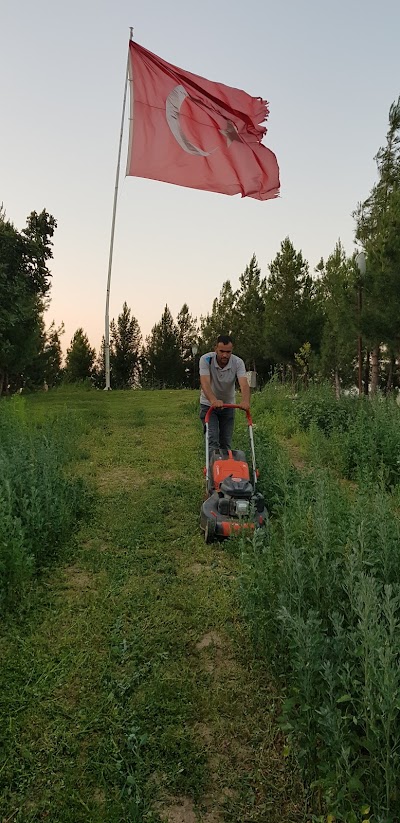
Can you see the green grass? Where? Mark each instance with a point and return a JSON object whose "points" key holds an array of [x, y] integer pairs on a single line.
{"points": [[321, 592], [128, 685], [40, 502]]}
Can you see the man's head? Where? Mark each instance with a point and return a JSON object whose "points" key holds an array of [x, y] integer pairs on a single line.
{"points": [[224, 349]]}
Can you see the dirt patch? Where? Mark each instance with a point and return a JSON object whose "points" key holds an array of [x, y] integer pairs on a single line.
{"points": [[170, 476], [95, 545], [205, 732], [181, 810], [218, 657], [210, 639], [118, 477], [211, 815], [198, 568], [78, 580]]}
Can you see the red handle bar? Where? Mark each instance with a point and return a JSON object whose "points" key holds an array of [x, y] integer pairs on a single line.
{"points": [[228, 406]]}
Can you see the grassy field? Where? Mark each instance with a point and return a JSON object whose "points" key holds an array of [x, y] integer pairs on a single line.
{"points": [[321, 592], [128, 687]]}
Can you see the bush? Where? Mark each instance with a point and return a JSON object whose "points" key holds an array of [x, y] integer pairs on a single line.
{"points": [[358, 437], [319, 406]]}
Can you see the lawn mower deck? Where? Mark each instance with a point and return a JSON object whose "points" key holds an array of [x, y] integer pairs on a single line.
{"points": [[232, 504]]}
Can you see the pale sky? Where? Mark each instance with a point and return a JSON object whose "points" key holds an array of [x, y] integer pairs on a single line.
{"points": [[329, 71]]}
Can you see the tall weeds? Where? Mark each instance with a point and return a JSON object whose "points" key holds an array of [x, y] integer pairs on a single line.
{"points": [[39, 502], [356, 436], [321, 590]]}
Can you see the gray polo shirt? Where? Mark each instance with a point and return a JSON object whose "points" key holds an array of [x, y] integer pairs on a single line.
{"points": [[222, 380]]}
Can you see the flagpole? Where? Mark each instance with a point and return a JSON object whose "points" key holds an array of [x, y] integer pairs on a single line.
{"points": [[110, 258]]}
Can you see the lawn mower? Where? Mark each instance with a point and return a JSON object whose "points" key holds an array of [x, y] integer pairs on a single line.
{"points": [[232, 503]]}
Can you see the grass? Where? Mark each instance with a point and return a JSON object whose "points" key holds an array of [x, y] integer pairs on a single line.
{"points": [[128, 688], [40, 503], [321, 591]]}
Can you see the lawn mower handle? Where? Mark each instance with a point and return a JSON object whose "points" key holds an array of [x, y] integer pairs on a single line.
{"points": [[228, 406]]}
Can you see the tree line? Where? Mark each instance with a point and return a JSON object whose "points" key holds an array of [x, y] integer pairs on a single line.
{"points": [[340, 322]]}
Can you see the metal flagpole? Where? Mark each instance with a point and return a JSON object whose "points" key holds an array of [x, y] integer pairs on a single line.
{"points": [[107, 317]]}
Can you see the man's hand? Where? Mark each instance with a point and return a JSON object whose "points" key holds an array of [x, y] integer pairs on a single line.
{"points": [[245, 406], [217, 403]]}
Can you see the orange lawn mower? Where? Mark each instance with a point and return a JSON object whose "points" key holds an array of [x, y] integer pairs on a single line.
{"points": [[232, 502]]}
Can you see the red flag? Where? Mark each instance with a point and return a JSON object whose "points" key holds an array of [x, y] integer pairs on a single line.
{"points": [[192, 132]]}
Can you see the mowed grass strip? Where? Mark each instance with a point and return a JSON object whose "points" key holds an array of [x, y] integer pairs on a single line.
{"points": [[128, 688]]}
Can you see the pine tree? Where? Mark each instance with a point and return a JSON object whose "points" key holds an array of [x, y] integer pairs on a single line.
{"points": [[221, 319], [378, 231], [162, 365], [99, 371], [249, 318], [293, 316], [126, 342], [80, 359], [53, 355], [187, 335], [336, 287]]}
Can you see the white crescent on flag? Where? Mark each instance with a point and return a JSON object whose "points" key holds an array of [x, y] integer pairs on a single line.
{"points": [[172, 112]]}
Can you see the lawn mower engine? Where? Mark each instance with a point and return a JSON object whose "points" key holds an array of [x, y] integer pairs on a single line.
{"points": [[232, 503]]}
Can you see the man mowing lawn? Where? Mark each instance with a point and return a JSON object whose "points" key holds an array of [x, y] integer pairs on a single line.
{"points": [[219, 371]]}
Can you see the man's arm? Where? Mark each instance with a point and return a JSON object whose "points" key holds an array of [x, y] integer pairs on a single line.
{"points": [[245, 393], [206, 386]]}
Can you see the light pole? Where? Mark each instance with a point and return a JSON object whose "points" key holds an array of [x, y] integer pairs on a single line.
{"points": [[195, 349], [361, 262]]}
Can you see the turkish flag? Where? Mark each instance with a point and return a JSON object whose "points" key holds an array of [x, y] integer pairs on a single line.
{"points": [[186, 130]]}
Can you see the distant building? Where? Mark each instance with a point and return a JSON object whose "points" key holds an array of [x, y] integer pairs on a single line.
{"points": [[252, 379]]}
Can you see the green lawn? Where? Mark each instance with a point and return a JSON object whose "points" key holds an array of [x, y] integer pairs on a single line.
{"points": [[128, 686]]}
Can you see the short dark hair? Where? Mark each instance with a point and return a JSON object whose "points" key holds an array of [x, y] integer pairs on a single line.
{"points": [[225, 339]]}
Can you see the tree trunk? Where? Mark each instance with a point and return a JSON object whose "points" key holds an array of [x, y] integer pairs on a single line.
{"points": [[367, 367], [337, 385], [389, 382], [359, 343], [374, 369], [1, 382]]}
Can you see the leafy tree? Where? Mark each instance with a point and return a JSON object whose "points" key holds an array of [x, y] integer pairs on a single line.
{"points": [[378, 231], [80, 359], [39, 232], [293, 317], [24, 285], [162, 365], [338, 300], [126, 342], [221, 319], [187, 335]]}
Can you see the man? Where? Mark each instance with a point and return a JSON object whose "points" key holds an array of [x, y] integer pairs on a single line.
{"points": [[218, 372]]}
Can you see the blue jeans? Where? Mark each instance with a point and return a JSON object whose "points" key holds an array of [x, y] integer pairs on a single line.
{"points": [[220, 427]]}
